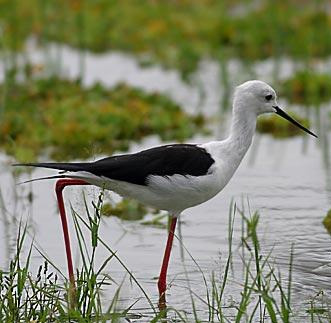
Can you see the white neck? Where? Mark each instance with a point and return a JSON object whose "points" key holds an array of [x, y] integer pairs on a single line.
{"points": [[229, 153], [242, 131], [233, 149]]}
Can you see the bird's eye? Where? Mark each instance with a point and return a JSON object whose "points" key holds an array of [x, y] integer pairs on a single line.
{"points": [[268, 97]]}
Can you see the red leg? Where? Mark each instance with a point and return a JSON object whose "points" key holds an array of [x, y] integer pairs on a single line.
{"points": [[162, 283], [60, 185]]}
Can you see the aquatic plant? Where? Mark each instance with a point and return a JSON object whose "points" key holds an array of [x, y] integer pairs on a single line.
{"points": [[307, 87], [280, 128], [126, 210], [131, 210], [62, 118], [327, 221]]}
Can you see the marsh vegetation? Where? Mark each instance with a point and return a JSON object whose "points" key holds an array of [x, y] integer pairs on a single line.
{"points": [[265, 294]]}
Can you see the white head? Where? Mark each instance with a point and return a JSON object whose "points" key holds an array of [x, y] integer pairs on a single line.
{"points": [[253, 98]]}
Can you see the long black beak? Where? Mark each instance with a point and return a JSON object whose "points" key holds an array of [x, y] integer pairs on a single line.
{"points": [[282, 113]]}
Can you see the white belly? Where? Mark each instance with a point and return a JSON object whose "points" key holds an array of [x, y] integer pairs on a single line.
{"points": [[173, 193], [181, 192]]}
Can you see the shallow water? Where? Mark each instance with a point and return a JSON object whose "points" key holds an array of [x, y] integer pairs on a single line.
{"points": [[287, 181]]}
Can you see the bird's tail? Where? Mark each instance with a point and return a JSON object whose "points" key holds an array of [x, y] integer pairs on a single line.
{"points": [[71, 167], [42, 178]]}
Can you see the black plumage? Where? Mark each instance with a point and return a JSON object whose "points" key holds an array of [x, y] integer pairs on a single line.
{"points": [[183, 159]]}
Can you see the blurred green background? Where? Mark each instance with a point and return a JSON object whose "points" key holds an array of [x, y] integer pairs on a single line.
{"points": [[41, 109]]}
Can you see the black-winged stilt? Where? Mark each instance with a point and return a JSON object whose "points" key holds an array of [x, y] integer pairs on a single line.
{"points": [[174, 177]]}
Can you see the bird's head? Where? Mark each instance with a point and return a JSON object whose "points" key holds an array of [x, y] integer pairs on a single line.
{"points": [[258, 97]]}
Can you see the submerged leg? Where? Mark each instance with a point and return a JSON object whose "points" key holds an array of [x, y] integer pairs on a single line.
{"points": [[59, 186], [162, 283]]}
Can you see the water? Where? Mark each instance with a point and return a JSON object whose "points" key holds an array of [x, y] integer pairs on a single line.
{"points": [[287, 181]]}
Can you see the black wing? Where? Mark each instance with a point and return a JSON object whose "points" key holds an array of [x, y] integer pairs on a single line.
{"points": [[166, 160]]}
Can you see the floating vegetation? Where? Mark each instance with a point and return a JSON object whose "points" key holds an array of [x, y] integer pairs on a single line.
{"points": [[277, 28], [280, 128], [176, 34], [131, 210], [65, 120], [156, 221], [327, 221], [307, 87]]}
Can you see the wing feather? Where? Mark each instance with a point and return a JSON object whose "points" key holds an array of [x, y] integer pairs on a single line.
{"points": [[183, 159]]}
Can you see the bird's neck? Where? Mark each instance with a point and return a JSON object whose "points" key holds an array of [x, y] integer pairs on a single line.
{"points": [[242, 131]]}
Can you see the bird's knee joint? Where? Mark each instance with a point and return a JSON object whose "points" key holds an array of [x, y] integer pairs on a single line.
{"points": [[59, 186]]}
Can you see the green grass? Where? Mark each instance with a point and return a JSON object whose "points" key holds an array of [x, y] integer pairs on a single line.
{"points": [[46, 296], [24, 296], [61, 118]]}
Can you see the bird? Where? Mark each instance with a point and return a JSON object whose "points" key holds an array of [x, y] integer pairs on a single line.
{"points": [[173, 177]]}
